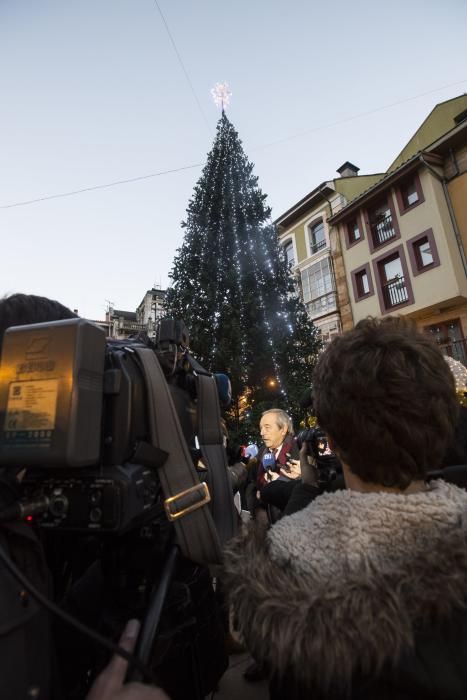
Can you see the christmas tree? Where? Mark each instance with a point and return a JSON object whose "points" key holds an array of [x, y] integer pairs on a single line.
{"points": [[232, 287]]}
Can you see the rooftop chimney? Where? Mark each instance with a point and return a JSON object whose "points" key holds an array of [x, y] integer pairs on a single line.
{"points": [[348, 170]]}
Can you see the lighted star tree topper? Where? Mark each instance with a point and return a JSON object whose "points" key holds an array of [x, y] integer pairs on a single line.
{"points": [[221, 95]]}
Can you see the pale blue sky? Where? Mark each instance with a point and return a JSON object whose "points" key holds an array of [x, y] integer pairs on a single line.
{"points": [[92, 92]]}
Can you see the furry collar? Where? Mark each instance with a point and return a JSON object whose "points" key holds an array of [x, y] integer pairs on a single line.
{"points": [[342, 587]]}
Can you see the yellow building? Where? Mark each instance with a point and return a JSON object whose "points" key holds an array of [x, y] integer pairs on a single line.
{"points": [[403, 240], [313, 250]]}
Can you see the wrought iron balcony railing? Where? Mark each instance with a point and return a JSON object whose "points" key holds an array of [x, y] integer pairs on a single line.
{"points": [[395, 292], [314, 247], [382, 230]]}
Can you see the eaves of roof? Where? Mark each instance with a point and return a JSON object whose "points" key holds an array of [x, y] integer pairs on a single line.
{"points": [[129, 315], [300, 209], [430, 154], [409, 165]]}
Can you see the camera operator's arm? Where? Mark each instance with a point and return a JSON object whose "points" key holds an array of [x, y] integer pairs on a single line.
{"points": [[109, 685], [308, 488]]}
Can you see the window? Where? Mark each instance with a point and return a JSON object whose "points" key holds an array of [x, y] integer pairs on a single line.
{"points": [[289, 254], [318, 288], [450, 338], [382, 224], [354, 231], [317, 237], [329, 330], [409, 194], [382, 229], [393, 281], [423, 253], [362, 283]]}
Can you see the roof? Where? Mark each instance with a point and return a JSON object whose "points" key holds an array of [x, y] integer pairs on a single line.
{"points": [[301, 207], [128, 315], [429, 154], [154, 292], [441, 118]]}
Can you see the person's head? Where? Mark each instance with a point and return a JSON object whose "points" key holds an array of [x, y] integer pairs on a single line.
{"points": [[386, 398], [274, 426], [23, 309]]}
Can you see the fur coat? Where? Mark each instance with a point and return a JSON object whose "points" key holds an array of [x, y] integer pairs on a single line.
{"points": [[358, 596]]}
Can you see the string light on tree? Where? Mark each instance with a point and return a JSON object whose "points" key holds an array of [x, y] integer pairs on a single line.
{"points": [[232, 287]]}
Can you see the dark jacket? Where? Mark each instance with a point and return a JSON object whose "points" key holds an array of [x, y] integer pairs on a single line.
{"points": [[358, 596], [289, 446], [25, 639]]}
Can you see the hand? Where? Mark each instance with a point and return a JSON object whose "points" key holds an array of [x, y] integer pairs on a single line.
{"points": [[271, 476], [308, 466], [109, 684], [294, 471]]}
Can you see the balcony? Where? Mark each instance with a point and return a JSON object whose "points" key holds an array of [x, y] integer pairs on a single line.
{"points": [[315, 247], [322, 305], [382, 230], [456, 349], [395, 292]]}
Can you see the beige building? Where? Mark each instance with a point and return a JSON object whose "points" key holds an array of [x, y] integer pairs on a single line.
{"points": [[314, 253], [120, 324], [403, 240]]}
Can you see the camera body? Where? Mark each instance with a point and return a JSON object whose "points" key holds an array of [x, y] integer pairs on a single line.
{"points": [[107, 434], [326, 461]]}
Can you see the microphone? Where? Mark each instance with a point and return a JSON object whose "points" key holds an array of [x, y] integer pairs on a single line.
{"points": [[268, 461]]}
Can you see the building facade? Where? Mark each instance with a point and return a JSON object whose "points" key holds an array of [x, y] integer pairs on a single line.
{"points": [[313, 250], [403, 240], [121, 324]]}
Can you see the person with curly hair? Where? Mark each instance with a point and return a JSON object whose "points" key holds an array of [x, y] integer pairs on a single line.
{"points": [[363, 593]]}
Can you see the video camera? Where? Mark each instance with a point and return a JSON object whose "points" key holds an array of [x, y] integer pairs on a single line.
{"points": [[109, 433], [326, 461], [74, 410]]}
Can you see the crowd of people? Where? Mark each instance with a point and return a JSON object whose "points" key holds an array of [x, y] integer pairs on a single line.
{"points": [[353, 587]]}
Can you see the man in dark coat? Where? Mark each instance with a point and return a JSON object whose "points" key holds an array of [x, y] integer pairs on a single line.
{"points": [[279, 446]]}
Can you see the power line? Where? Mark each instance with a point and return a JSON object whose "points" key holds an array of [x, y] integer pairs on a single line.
{"points": [[257, 148], [355, 116], [183, 68], [100, 187]]}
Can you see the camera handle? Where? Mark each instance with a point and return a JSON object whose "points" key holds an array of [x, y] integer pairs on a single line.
{"points": [[151, 622], [186, 498]]}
